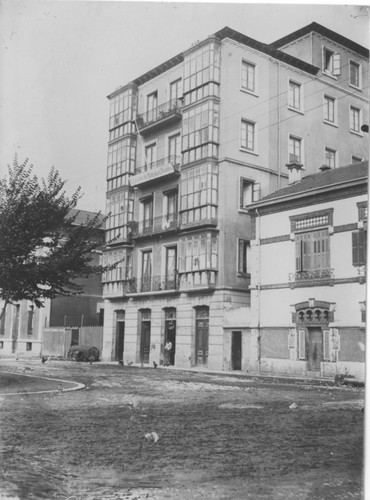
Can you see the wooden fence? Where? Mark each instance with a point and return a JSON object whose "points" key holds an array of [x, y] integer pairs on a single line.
{"points": [[56, 341]]}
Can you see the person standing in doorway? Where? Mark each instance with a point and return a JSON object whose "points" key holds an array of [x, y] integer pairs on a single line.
{"points": [[167, 353]]}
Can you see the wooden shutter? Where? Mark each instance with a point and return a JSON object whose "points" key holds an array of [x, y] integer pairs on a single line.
{"points": [[326, 344], [359, 248], [336, 64], [302, 344]]}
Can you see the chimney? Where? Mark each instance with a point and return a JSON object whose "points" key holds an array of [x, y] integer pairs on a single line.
{"points": [[324, 168], [295, 172]]}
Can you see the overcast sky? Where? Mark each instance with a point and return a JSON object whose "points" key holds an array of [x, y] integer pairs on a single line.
{"points": [[60, 59]]}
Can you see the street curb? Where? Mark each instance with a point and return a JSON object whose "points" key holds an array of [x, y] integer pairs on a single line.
{"points": [[78, 385]]}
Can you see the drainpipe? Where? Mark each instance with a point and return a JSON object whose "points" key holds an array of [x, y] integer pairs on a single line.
{"points": [[259, 292], [278, 122]]}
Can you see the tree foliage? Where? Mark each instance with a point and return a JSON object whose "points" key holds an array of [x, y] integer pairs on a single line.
{"points": [[42, 249]]}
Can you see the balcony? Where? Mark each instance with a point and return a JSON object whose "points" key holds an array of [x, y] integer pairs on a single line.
{"points": [[164, 168], [311, 277], [152, 284], [158, 117], [161, 224], [197, 281]]}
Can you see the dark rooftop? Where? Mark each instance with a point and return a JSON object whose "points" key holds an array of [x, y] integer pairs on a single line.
{"points": [[82, 216], [326, 179], [318, 28]]}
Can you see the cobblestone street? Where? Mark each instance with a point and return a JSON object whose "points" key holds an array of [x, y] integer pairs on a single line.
{"points": [[220, 436]]}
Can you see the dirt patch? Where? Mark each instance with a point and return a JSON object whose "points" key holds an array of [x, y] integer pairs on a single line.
{"points": [[217, 438]]}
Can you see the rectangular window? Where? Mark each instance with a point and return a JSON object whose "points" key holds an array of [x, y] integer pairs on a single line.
{"points": [[171, 267], [354, 74], [175, 90], [294, 99], [330, 157], [329, 109], [1, 345], [30, 316], [2, 325], [248, 78], [326, 344], [146, 268], [147, 208], [354, 119], [28, 346], [359, 247], [174, 148], [312, 251], [249, 192], [248, 140], [243, 256], [150, 155], [331, 62], [295, 149]]}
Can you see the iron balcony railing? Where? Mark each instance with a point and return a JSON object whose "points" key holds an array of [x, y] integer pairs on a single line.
{"points": [[167, 160], [311, 274], [170, 108], [150, 284], [163, 223]]}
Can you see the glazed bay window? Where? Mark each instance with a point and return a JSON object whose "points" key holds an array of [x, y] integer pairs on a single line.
{"points": [[248, 135], [120, 206], [329, 109], [354, 119], [202, 73], [200, 132], [295, 149], [121, 163], [248, 76], [123, 268], [198, 252], [122, 108], [199, 187], [294, 96]]}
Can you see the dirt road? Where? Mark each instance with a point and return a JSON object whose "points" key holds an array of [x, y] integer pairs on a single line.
{"points": [[220, 437]]}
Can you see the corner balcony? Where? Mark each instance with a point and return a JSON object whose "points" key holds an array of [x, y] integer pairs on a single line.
{"points": [[150, 284], [161, 224], [156, 118], [311, 277], [165, 168], [198, 281]]}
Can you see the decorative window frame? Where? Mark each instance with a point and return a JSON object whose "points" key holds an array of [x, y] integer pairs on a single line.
{"points": [[311, 221], [256, 82]]}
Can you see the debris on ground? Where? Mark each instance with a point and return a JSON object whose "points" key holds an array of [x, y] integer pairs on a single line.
{"points": [[152, 437], [293, 406]]}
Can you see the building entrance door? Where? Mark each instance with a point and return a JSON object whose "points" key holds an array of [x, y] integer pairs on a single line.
{"points": [[314, 349], [201, 334], [170, 334], [120, 340], [145, 342], [236, 350]]}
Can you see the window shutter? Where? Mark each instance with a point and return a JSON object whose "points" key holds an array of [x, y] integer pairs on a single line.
{"points": [[326, 339], [359, 248], [240, 256], [302, 344], [241, 199], [336, 64], [256, 191], [298, 253]]}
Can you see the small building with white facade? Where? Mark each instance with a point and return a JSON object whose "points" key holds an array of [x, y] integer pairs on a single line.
{"points": [[308, 292]]}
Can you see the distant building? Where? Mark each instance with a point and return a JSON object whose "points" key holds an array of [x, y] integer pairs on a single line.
{"points": [[308, 282], [22, 327], [192, 143]]}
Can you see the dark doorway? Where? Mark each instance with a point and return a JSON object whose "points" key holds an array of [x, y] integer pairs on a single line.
{"points": [[15, 327], [201, 335], [75, 336], [145, 336], [236, 350], [314, 348], [120, 340], [170, 333]]}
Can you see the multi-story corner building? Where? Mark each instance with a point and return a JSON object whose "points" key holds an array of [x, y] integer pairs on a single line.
{"points": [[308, 312], [191, 144]]}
